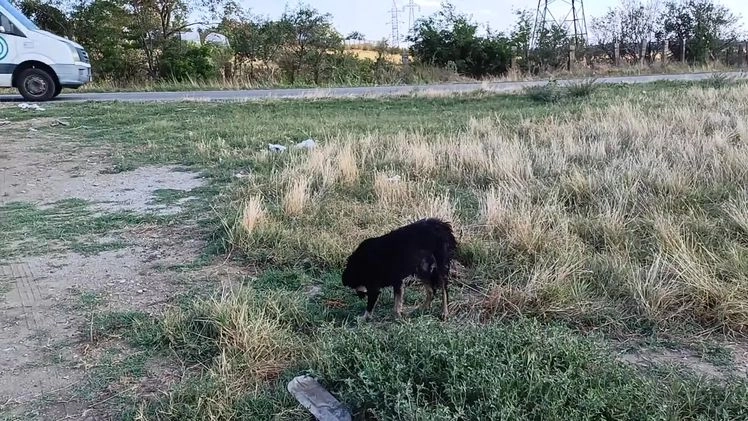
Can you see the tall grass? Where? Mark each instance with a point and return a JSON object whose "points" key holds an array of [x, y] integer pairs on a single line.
{"points": [[616, 215], [243, 341]]}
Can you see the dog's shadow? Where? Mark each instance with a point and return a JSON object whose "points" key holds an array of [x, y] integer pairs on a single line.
{"points": [[328, 301], [342, 306]]}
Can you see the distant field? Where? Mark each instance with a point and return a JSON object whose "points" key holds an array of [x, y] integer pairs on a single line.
{"points": [[372, 55], [603, 267]]}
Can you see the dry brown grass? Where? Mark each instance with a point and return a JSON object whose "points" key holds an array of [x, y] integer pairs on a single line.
{"points": [[254, 214], [296, 198], [244, 339], [618, 213]]}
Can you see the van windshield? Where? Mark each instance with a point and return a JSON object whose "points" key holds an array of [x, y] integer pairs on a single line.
{"points": [[23, 20]]}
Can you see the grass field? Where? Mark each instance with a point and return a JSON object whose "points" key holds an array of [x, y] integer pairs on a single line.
{"points": [[592, 222]]}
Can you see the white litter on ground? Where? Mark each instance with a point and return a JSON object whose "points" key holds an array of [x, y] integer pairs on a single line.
{"points": [[276, 148], [306, 144], [25, 106]]}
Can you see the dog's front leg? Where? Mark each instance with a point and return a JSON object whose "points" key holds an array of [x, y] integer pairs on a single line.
{"points": [[372, 297], [426, 304]]}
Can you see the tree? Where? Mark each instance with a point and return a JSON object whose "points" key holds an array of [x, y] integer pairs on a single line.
{"points": [[355, 36], [448, 37], [552, 49], [631, 23], [48, 16], [102, 27], [311, 38], [707, 27], [521, 36]]}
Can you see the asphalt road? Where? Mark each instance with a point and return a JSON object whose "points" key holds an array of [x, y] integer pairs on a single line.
{"points": [[373, 91]]}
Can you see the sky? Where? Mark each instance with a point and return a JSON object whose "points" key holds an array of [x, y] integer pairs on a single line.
{"points": [[372, 17]]}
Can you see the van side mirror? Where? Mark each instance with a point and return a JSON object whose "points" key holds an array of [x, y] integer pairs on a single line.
{"points": [[2, 29]]}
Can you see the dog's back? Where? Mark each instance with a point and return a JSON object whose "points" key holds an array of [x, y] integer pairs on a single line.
{"points": [[399, 253]]}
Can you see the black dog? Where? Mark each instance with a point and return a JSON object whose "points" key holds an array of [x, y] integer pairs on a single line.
{"points": [[423, 249]]}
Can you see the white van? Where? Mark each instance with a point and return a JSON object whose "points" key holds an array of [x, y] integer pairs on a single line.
{"points": [[36, 62]]}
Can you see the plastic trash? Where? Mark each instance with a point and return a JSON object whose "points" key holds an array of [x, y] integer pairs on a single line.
{"points": [[306, 144], [276, 148], [317, 400], [25, 106]]}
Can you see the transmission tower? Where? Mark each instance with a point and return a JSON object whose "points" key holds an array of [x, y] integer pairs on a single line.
{"points": [[395, 24], [568, 14], [411, 8]]}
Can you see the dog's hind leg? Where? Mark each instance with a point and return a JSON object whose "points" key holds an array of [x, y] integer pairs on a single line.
{"points": [[373, 296], [399, 290], [445, 296]]}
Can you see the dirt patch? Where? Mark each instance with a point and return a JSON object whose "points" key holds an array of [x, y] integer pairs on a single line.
{"points": [[43, 314], [688, 358], [672, 357], [45, 354], [41, 169]]}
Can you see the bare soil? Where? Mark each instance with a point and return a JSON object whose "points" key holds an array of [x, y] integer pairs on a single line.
{"points": [[45, 354]]}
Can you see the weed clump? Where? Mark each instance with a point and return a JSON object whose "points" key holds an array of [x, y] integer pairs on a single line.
{"points": [[424, 370], [719, 80], [244, 341], [582, 89], [551, 92], [548, 93]]}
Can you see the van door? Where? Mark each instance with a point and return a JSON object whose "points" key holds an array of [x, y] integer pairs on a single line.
{"points": [[11, 39]]}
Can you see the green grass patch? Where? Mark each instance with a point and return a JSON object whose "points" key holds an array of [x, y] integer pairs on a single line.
{"points": [[28, 229], [424, 370], [112, 376], [417, 369], [138, 329], [95, 247]]}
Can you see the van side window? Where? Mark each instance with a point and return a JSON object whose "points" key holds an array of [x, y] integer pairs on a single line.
{"points": [[8, 26]]}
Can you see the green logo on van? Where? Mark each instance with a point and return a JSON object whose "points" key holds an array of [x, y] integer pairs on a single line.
{"points": [[3, 49]]}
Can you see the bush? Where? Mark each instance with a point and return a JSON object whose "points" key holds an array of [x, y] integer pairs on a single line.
{"points": [[552, 92], [582, 89], [426, 371], [182, 61], [449, 37], [548, 93], [719, 80]]}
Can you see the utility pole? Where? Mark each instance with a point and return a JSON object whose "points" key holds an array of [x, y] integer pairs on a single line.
{"points": [[411, 8], [395, 24], [568, 14]]}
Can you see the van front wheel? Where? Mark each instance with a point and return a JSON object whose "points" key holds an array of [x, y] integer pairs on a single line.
{"points": [[36, 85]]}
